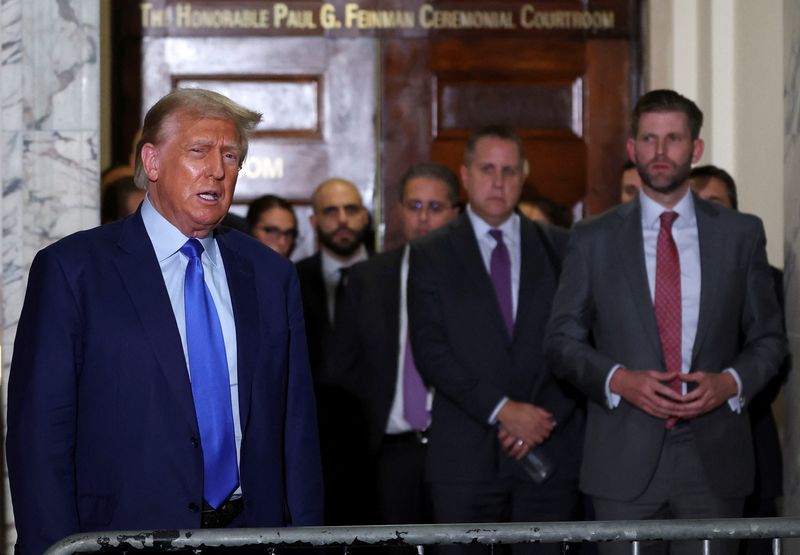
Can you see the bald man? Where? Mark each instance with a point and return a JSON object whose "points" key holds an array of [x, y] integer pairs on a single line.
{"points": [[340, 221]]}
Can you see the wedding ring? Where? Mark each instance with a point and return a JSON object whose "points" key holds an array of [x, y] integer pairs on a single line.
{"points": [[520, 443]]}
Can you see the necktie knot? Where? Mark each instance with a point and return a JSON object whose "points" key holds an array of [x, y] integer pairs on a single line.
{"points": [[497, 235], [667, 219], [192, 249]]}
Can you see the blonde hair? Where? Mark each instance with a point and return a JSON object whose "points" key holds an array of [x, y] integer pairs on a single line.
{"points": [[198, 104]]}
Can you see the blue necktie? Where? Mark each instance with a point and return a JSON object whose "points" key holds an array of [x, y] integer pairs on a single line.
{"points": [[211, 387]]}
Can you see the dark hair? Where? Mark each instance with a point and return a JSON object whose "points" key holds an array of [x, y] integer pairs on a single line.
{"points": [[114, 198], [264, 203], [199, 104], [628, 165], [555, 213], [433, 171], [702, 175], [665, 100], [498, 132]]}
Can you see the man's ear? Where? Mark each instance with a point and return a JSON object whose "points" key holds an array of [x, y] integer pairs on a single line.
{"points": [[150, 161], [631, 147], [697, 150]]}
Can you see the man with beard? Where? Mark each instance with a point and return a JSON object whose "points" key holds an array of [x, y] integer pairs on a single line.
{"points": [[667, 320], [340, 221]]}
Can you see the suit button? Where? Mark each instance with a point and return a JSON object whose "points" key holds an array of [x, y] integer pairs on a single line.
{"points": [[194, 507], [195, 443]]}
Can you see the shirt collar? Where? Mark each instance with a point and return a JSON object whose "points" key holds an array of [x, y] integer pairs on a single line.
{"points": [[331, 264], [651, 211], [510, 227], [168, 239]]}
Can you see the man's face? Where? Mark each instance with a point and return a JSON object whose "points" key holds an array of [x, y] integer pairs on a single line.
{"points": [[339, 218], [277, 229], [425, 206], [664, 151], [631, 184], [714, 191], [494, 179], [193, 172]]}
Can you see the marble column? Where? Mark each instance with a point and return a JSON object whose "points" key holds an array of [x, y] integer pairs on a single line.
{"points": [[791, 164], [49, 141]]}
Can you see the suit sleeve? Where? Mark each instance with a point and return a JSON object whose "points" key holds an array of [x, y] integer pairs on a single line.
{"points": [[436, 360], [303, 467], [42, 415], [568, 345], [764, 345]]}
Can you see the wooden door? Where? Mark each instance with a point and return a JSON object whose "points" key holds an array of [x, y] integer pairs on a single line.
{"points": [[569, 98]]}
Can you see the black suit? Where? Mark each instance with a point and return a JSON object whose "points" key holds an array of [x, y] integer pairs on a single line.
{"points": [[341, 425], [365, 355], [462, 348], [315, 308]]}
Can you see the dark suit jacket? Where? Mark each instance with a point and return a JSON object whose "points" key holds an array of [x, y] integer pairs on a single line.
{"points": [[603, 315], [462, 348], [315, 309], [102, 433], [365, 342]]}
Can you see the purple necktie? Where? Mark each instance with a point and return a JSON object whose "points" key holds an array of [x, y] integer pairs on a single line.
{"points": [[500, 270], [415, 394]]}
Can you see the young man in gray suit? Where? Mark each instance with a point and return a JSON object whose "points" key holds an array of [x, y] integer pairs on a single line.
{"points": [[667, 320]]}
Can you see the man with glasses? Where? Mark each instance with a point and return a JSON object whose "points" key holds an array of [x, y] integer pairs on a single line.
{"points": [[370, 353], [273, 222]]}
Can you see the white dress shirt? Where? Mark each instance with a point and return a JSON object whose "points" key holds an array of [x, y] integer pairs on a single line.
{"points": [[486, 244], [167, 241], [684, 232], [397, 423]]}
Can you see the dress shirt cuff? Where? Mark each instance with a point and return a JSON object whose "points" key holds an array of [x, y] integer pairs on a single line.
{"points": [[736, 403], [612, 399], [493, 416]]}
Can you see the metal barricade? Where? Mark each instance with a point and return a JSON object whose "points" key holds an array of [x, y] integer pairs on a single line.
{"points": [[437, 534]]}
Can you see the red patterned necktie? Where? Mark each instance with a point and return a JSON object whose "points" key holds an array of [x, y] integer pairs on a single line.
{"points": [[668, 300]]}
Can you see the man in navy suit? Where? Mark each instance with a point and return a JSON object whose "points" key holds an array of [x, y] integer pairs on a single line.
{"points": [[106, 428]]}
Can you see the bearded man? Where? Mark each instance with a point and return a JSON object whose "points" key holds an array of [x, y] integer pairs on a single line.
{"points": [[341, 223], [667, 319]]}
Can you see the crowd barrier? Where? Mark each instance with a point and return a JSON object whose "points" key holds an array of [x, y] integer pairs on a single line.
{"points": [[346, 537]]}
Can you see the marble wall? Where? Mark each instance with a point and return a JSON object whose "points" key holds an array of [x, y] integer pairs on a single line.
{"points": [[791, 163], [49, 142]]}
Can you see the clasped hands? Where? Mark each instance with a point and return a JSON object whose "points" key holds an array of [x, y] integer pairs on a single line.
{"points": [[522, 427], [650, 391]]}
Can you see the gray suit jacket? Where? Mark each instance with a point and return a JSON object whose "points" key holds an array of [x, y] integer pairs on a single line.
{"points": [[603, 315], [462, 348]]}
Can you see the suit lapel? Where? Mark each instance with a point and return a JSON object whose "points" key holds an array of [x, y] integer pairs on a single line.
{"points": [[390, 303], [711, 242], [534, 264], [631, 255], [241, 284], [141, 275]]}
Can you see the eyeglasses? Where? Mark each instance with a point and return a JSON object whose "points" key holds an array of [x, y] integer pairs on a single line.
{"points": [[276, 232], [434, 206]]}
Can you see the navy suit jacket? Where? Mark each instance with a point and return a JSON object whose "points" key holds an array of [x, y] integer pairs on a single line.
{"points": [[102, 433]]}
